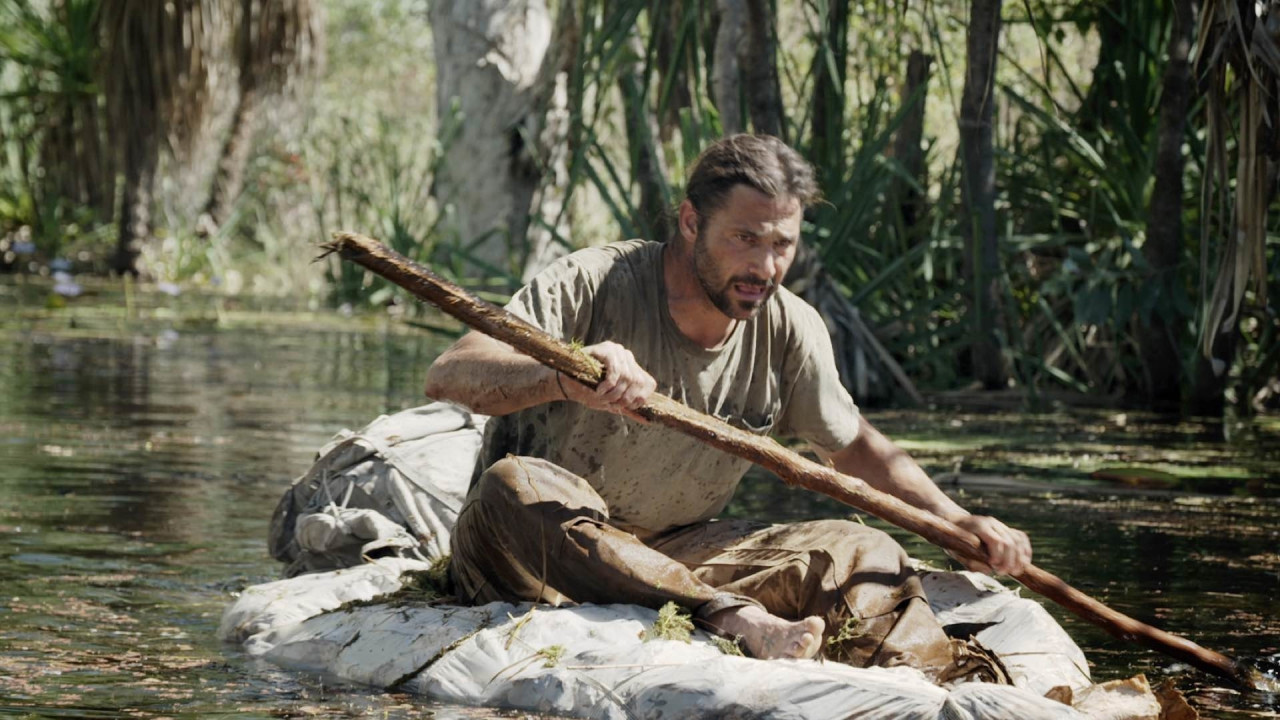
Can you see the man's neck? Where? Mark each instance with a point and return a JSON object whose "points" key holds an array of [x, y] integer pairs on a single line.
{"points": [[692, 311]]}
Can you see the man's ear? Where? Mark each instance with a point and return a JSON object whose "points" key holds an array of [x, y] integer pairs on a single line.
{"points": [[688, 221]]}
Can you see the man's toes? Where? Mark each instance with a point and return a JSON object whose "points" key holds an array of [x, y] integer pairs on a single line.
{"points": [[809, 640], [805, 647], [815, 628], [815, 625]]}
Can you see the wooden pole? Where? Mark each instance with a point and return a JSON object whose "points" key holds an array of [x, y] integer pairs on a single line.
{"points": [[791, 467]]}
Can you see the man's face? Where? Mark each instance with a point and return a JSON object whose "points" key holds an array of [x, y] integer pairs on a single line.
{"points": [[742, 251]]}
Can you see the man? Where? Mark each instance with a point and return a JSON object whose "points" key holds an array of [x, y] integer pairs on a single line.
{"points": [[580, 501]]}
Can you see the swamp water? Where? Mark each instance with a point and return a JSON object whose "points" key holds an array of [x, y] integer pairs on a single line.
{"points": [[142, 452]]}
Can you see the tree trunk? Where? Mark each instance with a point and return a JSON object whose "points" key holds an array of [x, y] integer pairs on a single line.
{"points": [[759, 57], [907, 144], [647, 166], [1208, 392], [98, 168], [547, 238], [155, 68], [488, 58], [1105, 87], [826, 135], [134, 224], [726, 80], [137, 129], [982, 252], [233, 163], [228, 179], [1158, 335]]}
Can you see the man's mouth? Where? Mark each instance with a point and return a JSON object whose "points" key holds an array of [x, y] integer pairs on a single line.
{"points": [[751, 291]]}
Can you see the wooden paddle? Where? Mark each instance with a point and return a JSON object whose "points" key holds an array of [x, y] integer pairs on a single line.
{"points": [[791, 467]]}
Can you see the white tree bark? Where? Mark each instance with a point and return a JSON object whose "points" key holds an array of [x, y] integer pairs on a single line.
{"points": [[548, 239], [501, 163], [726, 81]]}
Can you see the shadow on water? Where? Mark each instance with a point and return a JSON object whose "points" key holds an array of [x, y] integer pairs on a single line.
{"points": [[143, 453]]}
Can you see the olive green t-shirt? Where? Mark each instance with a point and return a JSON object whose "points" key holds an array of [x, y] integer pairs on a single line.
{"points": [[775, 374]]}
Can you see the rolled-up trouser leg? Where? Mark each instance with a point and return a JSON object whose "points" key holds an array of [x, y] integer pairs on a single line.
{"points": [[854, 577], [531, 530]]}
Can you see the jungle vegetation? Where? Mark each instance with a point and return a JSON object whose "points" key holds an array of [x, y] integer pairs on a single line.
{"points": [[1059, 198]]}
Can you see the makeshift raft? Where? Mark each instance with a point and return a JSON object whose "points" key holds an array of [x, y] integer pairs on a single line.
{"points": [[372, 492]]}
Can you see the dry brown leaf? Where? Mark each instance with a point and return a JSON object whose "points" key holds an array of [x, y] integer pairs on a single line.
{"points": [[1173, 706]]}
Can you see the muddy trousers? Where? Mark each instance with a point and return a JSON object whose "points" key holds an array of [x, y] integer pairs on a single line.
{"points": [[532, 531]]}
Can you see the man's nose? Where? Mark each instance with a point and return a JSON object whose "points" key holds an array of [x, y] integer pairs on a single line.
{"points": [[766, 261]]}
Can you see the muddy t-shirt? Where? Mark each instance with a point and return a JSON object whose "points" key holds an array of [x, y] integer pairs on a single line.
{"points": [[775, 374]]}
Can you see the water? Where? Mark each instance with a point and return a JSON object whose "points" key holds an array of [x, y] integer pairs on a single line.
{"points": [[143, 452]]}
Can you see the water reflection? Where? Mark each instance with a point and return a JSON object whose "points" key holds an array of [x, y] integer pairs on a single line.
{"points": [[142, 460]]}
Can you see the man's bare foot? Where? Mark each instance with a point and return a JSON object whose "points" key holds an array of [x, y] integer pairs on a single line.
{"points": [[769, 636]]}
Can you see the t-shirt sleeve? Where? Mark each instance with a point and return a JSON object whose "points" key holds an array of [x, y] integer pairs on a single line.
{"points": [[816, 406], [557, 300]]}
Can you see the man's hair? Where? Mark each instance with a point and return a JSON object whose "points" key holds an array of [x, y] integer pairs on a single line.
{"points": [[762, 162]]}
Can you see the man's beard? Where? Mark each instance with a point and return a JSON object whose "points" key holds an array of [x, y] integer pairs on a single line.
{"points": [[707, 271]]}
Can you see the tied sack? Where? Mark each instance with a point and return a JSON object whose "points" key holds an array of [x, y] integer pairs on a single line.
{"points": [[390, 489]]}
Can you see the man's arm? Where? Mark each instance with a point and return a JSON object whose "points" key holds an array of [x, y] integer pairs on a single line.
{"points": [[489, 377], [888, 468], [492, 378]]}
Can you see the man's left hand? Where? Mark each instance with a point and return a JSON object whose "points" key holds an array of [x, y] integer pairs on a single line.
{"points": [[1008, 549]]}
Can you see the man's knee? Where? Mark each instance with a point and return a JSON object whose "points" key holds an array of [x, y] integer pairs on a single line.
{"points": [[850, 529], [522, 483], [859, 539], [500, 484]]}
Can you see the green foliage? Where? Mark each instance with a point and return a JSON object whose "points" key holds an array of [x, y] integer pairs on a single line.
{"points": [[1259, 372], [605, 46], [849, 630], [377, 178], [551, 655], [358, 153], [48, 57], [673, 623], [896, 277], [1079, 175], [1076, 138], [728, 646]]}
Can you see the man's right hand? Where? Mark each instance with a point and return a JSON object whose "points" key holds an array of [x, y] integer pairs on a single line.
{"points": [[625, 387]]}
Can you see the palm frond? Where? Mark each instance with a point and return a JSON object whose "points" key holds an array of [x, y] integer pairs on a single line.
{"points": [[1237, 60]]}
